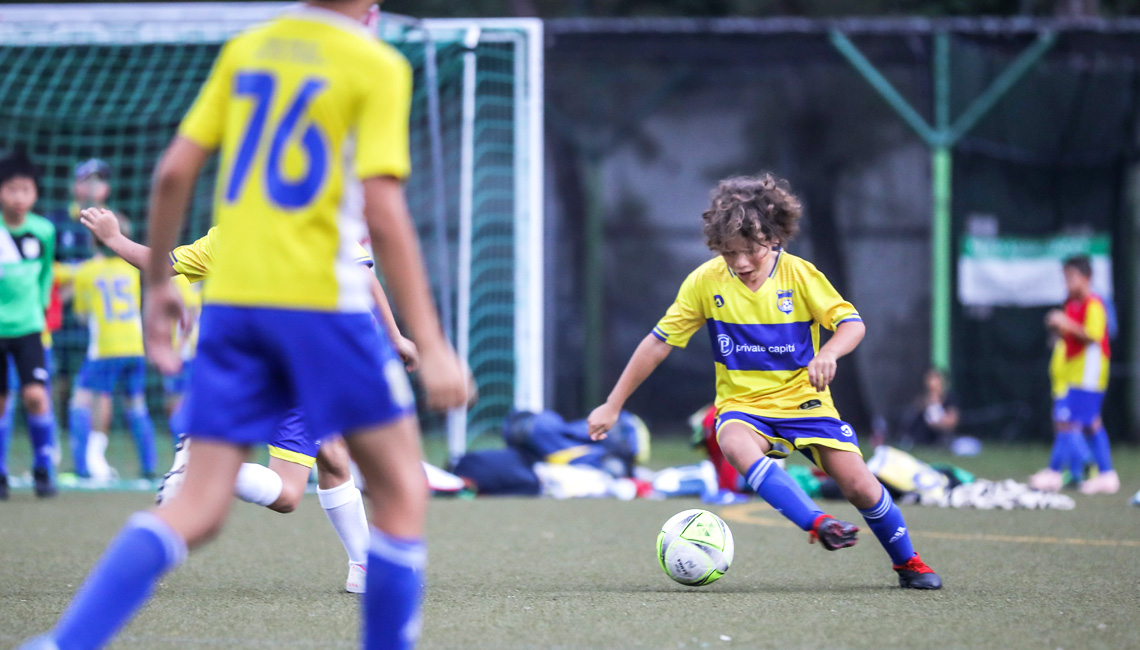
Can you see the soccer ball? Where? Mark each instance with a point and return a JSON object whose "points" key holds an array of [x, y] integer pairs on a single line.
{"points": [[695, 547]]}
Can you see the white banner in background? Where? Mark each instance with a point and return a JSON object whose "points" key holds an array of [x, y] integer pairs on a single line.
{"points": [[1026, 272]]}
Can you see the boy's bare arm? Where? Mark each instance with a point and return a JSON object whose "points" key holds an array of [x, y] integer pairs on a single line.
{"points": [[105, 226], [407, 350], [648, 355], [821, 369], [398, 252], [170, 193]]}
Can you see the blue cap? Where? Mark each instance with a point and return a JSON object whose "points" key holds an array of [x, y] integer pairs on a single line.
{"points": [[93, 167]]}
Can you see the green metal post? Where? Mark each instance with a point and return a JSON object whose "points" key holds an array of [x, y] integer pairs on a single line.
{"points": [[941, 140], [941, 182]]}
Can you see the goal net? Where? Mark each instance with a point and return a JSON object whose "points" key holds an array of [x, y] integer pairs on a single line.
{"points": [[113, 82]]}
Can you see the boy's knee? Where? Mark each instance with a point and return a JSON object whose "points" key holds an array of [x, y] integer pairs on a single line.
{"points": [[136, 406], [289, 500], [81, 399], [36, 399]]}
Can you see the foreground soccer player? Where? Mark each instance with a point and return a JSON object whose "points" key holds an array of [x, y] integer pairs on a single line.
{"points": [[300, 108], [292, 451], [764, 307]]}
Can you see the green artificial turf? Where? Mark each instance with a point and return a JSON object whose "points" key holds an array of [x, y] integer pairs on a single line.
{"points": [[534, 573]]}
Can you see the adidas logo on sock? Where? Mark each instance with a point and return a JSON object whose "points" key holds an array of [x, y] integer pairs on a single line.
{"points": [[898, 534]]}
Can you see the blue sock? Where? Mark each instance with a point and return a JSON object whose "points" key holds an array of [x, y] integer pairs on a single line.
{"points": [[121, 582], [1101, 449], [1059, 455], [886, 521], [79, 423], [782, 492], [143, 431], [41, 429], [5, 437], [393, 592], [177, 424], [1075, 454]]}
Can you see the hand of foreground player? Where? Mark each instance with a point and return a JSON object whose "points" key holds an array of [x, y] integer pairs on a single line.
{"points": [[601, 420], [101, 222], [821, 370], [442, 377], [162, 308], [408, 352]]}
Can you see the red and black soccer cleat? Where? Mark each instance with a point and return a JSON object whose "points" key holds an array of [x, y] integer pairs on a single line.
{"points": [[833, 533], [915, 574]]}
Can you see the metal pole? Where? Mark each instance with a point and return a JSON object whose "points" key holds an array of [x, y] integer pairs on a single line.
{"points": [[940, 231], [457, 418]]}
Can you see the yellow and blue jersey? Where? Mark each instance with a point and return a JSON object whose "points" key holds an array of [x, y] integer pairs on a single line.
{"points": [[762, 341], [107, 296], [300, 109]]}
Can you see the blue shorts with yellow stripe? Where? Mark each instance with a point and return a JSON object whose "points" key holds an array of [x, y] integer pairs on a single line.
{"points": [[292, 443], [804, 434]]}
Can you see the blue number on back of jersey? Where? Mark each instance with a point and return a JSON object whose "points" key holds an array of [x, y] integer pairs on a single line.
{"points": [[118, 303], [286, 193]]}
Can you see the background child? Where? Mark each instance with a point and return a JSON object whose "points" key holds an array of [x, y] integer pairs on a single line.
{"points": [[107, 297], [27, 245], [1083, 325]]}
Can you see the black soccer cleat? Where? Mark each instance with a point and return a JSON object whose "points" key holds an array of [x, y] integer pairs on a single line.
{"points": [[833, 533], [3, 487], [43, 484], [915, 574]]}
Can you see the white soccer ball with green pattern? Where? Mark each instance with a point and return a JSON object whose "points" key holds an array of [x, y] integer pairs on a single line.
{"points": [[695, 547]]}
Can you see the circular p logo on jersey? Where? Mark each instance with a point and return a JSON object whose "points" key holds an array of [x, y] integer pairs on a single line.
{"points": [[726, 344]]}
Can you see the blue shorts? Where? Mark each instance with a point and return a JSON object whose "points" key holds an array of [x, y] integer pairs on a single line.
{"points": [[255, 364], [292, 443], [102, 375], [177, 383], [1079, 407], [804, 434]]}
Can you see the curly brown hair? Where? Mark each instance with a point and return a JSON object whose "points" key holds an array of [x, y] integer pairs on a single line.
{"points": [[759, 209]]}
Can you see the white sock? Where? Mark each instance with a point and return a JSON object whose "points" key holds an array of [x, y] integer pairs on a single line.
{"points": [[345, 508], [257, 484]]}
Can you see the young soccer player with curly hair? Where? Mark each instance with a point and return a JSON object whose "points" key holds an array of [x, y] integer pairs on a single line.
{"points": [[763, 307]]}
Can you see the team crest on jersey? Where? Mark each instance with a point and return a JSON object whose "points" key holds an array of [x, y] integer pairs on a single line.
{"points": [[30, 247], [784, 300], [718, 300]]}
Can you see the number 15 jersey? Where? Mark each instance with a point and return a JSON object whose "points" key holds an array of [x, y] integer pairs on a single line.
{"points": [[300, 109]]}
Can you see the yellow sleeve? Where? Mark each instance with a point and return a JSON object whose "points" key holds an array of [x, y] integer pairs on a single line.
{"points": [[684, 317], [828, 308], [382, 143], [193, 260], [64, 273], [204, 121], [81, 303], [1096, 321], [363, 257], [1057, 369]]}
